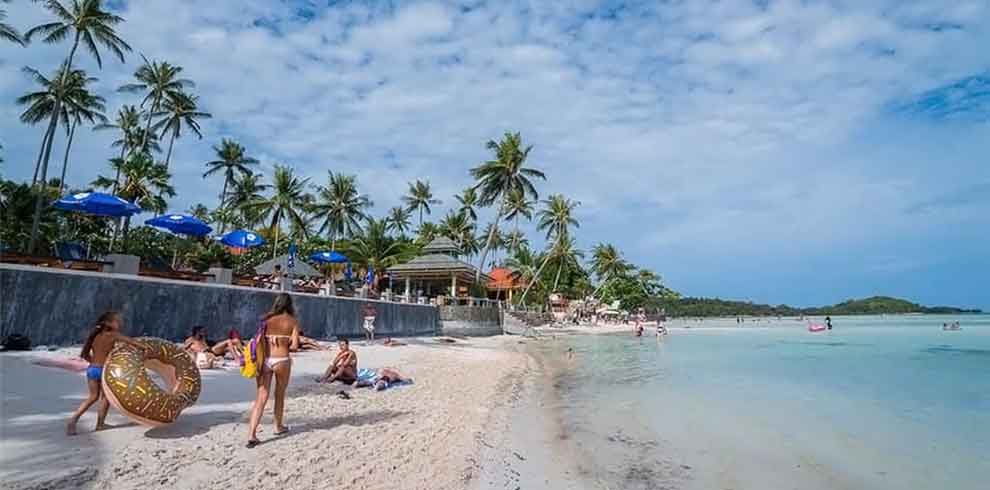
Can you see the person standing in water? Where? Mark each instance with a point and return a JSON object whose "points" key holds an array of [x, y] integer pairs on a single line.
{"points": [[828, 322], [100, 342], [281, 337]]}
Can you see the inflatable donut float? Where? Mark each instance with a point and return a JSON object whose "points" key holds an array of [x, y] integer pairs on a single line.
{"points": [[131, 389]]}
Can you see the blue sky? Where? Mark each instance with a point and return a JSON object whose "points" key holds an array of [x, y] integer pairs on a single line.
{"points": [[794, 151]]}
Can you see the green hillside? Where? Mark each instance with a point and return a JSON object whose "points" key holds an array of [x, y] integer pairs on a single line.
{"points": [[876, 305]]}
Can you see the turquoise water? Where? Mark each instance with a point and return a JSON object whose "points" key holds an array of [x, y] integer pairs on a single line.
{"points": [[876, 403]]}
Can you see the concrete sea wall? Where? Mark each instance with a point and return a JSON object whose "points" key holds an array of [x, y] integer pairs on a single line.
{"points": [[58, 307], [470, 321]]}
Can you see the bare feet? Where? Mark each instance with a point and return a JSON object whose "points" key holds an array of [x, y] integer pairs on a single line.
{"points": [[70, 429], [100, 427]]}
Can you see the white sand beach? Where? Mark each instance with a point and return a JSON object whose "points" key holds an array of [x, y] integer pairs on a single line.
{"points": [[425, 435]]}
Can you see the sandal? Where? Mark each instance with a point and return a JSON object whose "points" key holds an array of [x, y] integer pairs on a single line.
{"points": [[343, 395], [284, 431], [252, 443]]}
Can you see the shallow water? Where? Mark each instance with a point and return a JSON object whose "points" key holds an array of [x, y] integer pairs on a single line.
{"points": [[879, 403]]}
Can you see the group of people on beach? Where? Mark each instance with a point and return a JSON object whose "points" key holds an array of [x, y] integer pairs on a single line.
{"points": [[639, 323], [281, 337]]}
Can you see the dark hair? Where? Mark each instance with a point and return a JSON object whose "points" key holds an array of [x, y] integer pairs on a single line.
{"points": [[102, 325], [282, 305], [343, 339], [278, 267], [197, 329]]}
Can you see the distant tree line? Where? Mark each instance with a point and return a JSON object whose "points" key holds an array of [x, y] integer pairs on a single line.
{"points": [[876, 305]]}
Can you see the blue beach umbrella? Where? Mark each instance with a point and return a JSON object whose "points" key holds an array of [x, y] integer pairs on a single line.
{"points": [[370, 277], [182, 224], [97, 203], [328, 258], [242, 239]]}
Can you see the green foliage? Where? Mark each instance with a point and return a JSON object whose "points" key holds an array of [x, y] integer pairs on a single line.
{"points": [[713, 307]]}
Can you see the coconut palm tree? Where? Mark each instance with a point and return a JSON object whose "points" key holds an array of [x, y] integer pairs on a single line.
{"points": [[200, 211], [499, 177], [89, 108], [373, 247], [179, 109], [514, 240], [231, 160], [88, 23], [7, 31], [247, 189], [59, 97], [420, 197], [565, 255], [459, 228], [427, 232], [288, 201], [398, 220], [498, 242], [468, 200], [143, 182], [557, 217], [517, 206], [340, 206], [607, 264], [160, 81]]}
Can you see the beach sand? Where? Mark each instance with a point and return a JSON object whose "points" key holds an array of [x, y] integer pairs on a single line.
{"points": [[430, 435]]}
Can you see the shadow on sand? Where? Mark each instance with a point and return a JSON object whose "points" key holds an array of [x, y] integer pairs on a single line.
{"points": [[301, 426]]}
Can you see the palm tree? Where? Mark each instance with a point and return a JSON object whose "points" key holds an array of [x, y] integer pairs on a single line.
{"points": [[88, 23], [59, 97], [160, 81], [288, 200], [89, 107], [565, 255], [341, 206], [398, 220], [427, 232], [143, 183], [7, 31], [247, 189], [457, 227], [420, 197], [557, 216], [179, 110], [515, 240], [607, 264], [501, 176], [498, 241], [516, 206], [200, 211], [373, 247], [232, 160], [468, 200]]}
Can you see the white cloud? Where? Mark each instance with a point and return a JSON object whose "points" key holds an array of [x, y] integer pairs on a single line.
{"points": [[711, 121]]}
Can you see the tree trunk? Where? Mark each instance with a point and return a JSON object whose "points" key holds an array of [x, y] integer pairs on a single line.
{"points": [[536, 278], [275, 247], [223, 212], [421, 217], [116, 179], [168, 156], [41, 197], [147, 127], [491, 236], [556, 280], [41, 155], [65, 158]]}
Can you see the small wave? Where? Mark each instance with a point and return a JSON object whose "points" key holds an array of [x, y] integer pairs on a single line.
{"points": [[948, 349]]}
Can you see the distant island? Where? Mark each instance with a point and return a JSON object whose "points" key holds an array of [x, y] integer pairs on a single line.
{"points": [[876, 305]]}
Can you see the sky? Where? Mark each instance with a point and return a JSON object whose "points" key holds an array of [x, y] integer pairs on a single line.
{"points": [[794, 152]]}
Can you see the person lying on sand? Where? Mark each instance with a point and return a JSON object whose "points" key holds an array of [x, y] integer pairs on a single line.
{"points": [[382, 379], [343, 368], [390, 342], [105, 334], [233, 347], [306, 343]]}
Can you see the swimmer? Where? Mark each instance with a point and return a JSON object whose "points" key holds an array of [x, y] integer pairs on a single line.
{"points": [[97, 348]]}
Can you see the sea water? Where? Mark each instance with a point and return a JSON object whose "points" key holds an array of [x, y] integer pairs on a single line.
{"points": [[876, 403]]}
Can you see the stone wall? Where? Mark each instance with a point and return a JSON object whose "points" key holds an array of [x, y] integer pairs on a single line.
{"points": [[471, 321], [56, 307]]}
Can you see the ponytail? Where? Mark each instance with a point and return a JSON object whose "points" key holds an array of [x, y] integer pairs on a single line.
{"points": [[102, 325]]}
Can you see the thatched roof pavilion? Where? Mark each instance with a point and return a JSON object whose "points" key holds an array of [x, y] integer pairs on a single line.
{"points": [[438, 271]]}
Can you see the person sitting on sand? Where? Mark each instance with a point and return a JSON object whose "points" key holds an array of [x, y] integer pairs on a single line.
{"points": [[198, 348], [382, 379], [97, 348], [343, 368]]}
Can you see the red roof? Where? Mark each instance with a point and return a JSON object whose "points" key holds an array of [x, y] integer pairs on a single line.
{"points": [[503, 278]]}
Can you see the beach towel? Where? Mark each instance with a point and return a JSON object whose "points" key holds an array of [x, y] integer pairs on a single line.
{"points": [[368, 377]]}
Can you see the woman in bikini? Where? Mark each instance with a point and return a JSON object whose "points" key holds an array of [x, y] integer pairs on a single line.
{"points": [[97, 348], [281, 337]]}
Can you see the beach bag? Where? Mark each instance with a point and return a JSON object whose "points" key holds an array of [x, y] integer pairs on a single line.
{"points": [[254, 357], [16, 341]]}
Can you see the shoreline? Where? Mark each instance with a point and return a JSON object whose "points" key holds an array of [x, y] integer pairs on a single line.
{"points": [[428, 435]]}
